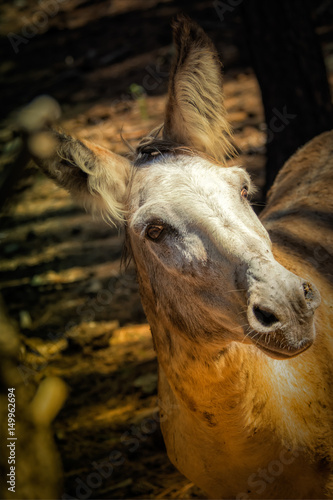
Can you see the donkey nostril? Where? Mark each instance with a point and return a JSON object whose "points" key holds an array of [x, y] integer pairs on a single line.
{"points": [[308, 291], [264, 317]]}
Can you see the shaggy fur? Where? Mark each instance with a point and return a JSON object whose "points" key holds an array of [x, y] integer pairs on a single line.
{"points": [[195, 113], [96, 177]]}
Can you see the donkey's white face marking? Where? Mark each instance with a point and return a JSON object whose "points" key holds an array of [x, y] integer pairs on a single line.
{"points": [[208, 257], [205, 218]]}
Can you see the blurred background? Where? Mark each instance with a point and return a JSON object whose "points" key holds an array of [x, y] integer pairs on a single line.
{"points": [[73, 336]]}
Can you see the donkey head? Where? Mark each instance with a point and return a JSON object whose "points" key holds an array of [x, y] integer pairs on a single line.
{"points": [[204, 260]]}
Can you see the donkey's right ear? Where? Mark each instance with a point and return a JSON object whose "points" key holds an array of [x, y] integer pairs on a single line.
{"points": [[195, 112], [95, 177]]}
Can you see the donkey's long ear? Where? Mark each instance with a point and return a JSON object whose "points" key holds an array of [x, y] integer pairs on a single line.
{"points": [[195, 113], [96, 177]]}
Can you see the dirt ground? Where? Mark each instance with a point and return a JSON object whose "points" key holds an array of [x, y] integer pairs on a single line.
{"points": [[78, 311]]}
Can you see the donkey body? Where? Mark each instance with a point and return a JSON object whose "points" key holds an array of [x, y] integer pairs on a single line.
{"points": [[245, 366]]}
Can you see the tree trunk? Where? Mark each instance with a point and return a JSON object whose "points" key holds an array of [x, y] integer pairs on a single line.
{"points": [[290, 68]]}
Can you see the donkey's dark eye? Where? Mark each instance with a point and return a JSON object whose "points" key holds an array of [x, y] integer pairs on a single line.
{"points": [[154, 231], [245, 192]]}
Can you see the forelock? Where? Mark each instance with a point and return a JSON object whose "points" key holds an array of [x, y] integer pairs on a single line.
{"points": [[152, 148]]}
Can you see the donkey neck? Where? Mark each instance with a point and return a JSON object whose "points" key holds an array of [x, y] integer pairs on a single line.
{"points": [[205, 377], [212, 384]]}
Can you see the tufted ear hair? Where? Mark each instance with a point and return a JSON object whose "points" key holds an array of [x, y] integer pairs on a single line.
{"points": [[195, 112], [95, 177]]}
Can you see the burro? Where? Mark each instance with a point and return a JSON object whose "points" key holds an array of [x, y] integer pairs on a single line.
{"points": [[244, 346]]}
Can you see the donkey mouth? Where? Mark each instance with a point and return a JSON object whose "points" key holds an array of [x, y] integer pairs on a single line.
{"points": [[277, 349], [285, 352]]}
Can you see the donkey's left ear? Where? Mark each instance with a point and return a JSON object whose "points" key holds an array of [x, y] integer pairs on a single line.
{"points": [[195, 112], [94, 176]]}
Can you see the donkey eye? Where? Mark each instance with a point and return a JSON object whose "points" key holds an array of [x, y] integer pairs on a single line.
{"points": [[154, 231], [245, 192]]}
